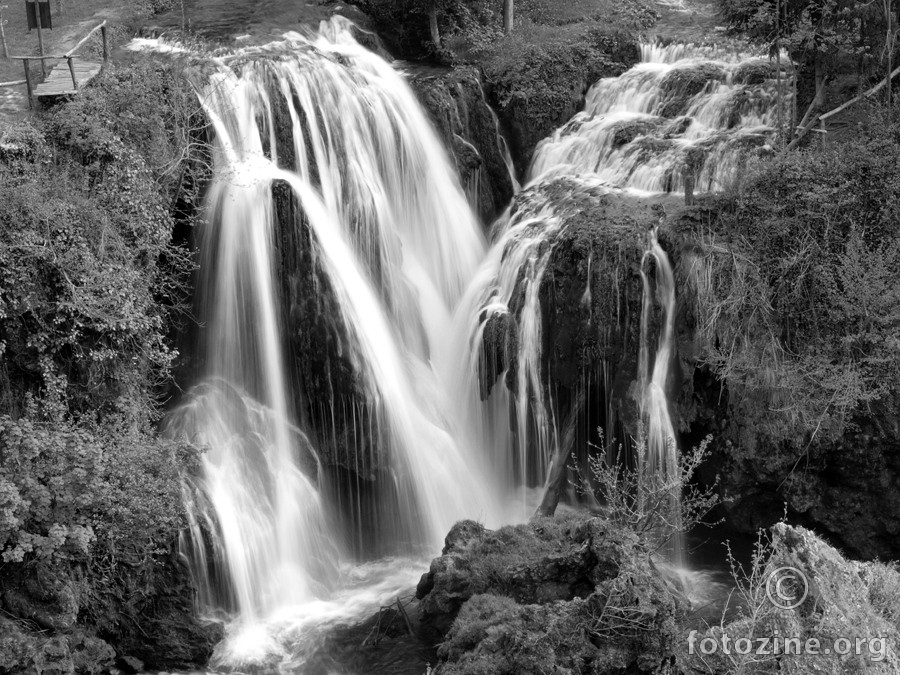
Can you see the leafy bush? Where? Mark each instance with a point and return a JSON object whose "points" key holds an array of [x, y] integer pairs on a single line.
{"points": [[89, 276], [70, 490]]}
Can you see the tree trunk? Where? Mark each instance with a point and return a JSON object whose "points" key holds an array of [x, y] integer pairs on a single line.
{"points": [[508, 16], [559, 465], [812, 113], [433, 28], [3, 33]]}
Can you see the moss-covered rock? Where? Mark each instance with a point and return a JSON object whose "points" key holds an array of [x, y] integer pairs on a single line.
{"points": [[569, 595], [537, 88], [683, 83], [455, 101]]}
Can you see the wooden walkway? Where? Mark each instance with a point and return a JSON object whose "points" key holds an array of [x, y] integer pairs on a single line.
{"points": [[62, 78], [67, 76]]}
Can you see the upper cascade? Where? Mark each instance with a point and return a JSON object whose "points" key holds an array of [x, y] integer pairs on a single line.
{"points": [[685, 114]]}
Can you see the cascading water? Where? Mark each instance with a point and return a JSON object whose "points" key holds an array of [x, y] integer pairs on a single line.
{"points": [[683, 113], [396, 243], [660, 465]]}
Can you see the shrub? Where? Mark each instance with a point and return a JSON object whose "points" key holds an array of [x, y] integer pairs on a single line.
{"points": [[656, 508], [71, 490]]}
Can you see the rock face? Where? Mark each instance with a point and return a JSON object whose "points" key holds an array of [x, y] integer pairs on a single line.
{"points": [[591, 300], [848, 489], [457, 105], [566, 596]]}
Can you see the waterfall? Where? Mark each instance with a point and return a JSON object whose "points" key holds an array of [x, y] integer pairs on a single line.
{"points": [[335, 219], [394, 244], [686, 117]]}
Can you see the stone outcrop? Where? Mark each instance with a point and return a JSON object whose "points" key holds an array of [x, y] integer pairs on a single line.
{"points": [[557, 595], [549, 87], [55, 622]]}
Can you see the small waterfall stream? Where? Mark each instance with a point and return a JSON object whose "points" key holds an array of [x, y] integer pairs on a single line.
{"points": [[683, 113], [416, 297]]}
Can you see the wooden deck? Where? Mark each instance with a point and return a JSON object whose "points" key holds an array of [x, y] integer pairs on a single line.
{"points": [[59, 79]]}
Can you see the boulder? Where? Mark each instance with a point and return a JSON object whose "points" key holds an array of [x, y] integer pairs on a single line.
{"points": [[566, 595]]}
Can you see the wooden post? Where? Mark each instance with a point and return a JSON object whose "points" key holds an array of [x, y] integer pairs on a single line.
{"points": [[105, 48], [28, 83], [37, 11], [72, 72]]}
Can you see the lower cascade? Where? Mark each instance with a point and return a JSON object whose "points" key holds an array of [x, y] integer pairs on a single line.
{"points": [[372, 369]]}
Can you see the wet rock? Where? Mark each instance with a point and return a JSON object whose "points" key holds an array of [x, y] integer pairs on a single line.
{"points": [[626, 132], [457, 105], [756, 71], [499, 349], [683, 83]]}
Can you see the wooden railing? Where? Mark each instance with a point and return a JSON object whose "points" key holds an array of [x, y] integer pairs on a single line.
{"points": [[68, 57]]}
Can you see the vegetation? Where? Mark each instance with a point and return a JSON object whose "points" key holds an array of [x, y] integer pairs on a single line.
{"points": [[796, 288], [844, 600], [92, 285], [832, 41], [656, 508], [570, 594]]}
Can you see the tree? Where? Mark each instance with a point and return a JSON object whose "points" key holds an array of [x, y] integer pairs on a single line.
{"points": [[508, 15]]}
